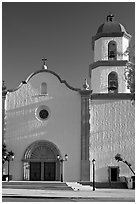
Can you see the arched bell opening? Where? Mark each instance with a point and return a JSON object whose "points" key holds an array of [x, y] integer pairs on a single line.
{"points": [[112, 50], [113, 82], [40, 162]]}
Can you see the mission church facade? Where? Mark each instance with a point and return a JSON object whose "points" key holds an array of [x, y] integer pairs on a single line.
{"points": [[55, 130]]}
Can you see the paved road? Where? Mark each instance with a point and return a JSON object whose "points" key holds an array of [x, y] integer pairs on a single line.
{"points": [[12, 199], [41, 195]]}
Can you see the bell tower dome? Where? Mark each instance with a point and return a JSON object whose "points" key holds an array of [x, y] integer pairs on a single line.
{"points": [[110, 58]]}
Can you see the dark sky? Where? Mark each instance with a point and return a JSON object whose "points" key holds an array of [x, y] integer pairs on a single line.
{"points": [[61, 32]]}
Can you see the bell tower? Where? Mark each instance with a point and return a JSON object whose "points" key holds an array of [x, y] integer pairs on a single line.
{"points": [[110, 46]]}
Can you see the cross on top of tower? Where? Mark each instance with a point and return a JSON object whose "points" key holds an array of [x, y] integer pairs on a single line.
{"points": [[110, 17], [44, 61], [44, 66]]}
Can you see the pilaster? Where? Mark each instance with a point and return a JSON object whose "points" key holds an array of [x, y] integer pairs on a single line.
{"points": [[85, 133]]}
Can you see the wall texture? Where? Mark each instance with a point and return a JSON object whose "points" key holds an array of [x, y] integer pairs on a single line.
{"points": [[112, 131]]}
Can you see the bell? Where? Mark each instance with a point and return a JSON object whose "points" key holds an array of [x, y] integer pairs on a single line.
{"points": [[112, 88]]}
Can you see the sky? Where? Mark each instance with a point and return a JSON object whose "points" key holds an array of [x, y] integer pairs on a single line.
{"points": [[60, 31]]}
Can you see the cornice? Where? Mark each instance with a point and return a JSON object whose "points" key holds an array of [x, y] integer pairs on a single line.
{"points": [[116, 34], [112, 96], [85, 93], [106, 63]]}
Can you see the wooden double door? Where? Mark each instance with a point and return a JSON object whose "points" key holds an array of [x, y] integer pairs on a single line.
{"points": [[45, 171]]}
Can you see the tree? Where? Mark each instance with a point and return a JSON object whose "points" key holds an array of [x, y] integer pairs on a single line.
{"points": [[7, 156], [119, 158], [130, 76], [130, 69]]}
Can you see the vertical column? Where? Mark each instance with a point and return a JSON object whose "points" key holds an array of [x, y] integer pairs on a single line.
{"points": [[85, 133]]}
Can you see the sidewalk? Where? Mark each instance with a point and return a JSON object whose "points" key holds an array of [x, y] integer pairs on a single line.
{"points": [[125, 194]]}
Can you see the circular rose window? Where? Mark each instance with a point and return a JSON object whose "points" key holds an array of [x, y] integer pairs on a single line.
{"points": [[42, 112]]}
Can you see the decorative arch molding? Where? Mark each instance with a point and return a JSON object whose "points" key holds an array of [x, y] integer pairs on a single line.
{"points": [[40, 162], [39, 71], [49, 71], [41, 150]]}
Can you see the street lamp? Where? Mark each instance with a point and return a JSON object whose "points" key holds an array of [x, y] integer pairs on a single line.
{"points": [[62, 166], [9, 157], [93, 162]]}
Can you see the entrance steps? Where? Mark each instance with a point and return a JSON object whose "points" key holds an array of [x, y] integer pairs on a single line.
{"points": [[57, 185], [41, 185], [47, 185], [79, 187]]}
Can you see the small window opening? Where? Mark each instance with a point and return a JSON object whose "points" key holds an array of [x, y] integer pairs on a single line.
{"points": [[112, 50], [43, 88]]}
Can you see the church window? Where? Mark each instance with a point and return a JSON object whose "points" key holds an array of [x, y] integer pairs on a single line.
{"points": [[43, 88], [112, 50], [112, 82], [42, 113]]}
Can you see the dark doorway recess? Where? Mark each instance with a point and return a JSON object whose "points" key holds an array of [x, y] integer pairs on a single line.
{"points": [[113, 173], [49, 171], [35, 171]]}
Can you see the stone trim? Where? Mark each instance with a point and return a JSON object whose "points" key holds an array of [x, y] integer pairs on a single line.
{"points": [[112, 96], [85, 93], [85, 126], [44, 70], [99, 63], [107, 63]]}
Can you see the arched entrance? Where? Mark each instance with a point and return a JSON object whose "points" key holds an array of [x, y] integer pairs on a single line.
{"points": [[40, 162]]}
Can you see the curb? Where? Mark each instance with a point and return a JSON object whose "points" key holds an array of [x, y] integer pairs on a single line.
{"points": [[121, 199]]}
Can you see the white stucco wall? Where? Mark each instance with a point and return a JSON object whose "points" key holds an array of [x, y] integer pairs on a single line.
{"points": [[99, 79], [62, 128], [112, 131]]}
